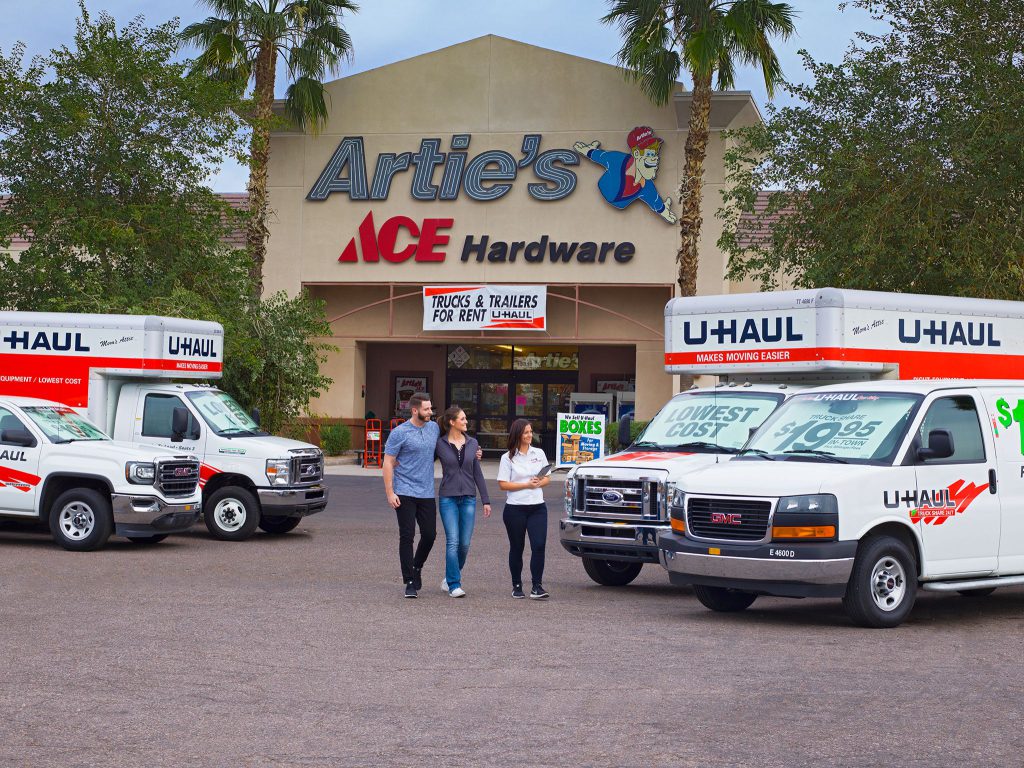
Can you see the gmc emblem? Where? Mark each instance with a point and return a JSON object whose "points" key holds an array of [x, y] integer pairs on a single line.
{"points": [[183, 471], [726, 519]]}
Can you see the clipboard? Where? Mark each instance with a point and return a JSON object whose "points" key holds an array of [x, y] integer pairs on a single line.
{"points": [[544, 471]]}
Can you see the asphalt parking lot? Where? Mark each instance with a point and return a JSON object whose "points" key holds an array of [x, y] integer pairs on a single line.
{"points": [[300, 651]]}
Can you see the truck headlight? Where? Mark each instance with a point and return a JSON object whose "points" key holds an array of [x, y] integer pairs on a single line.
{"points": [[279, 471], [678, 498], [140, 472], [814, 502], [570, 493]]}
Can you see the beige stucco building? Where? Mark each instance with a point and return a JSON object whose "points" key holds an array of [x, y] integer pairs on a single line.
{"points": [[422, 160]]}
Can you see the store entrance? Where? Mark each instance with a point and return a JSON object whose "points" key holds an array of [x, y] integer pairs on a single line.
{"points": [[495, 385], [491, 406]]}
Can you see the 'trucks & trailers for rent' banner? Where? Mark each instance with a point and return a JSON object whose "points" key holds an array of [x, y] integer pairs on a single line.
{"points": [[484, 307]]}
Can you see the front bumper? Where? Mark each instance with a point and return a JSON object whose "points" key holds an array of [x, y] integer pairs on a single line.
{"points": [[293, 502], [787, 569], [136, 515], [606, 540]]}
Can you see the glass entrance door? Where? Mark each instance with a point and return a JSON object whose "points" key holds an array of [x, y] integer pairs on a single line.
{"points": [[494, 416]]}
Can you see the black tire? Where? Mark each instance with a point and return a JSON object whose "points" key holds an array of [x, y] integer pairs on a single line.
{"points": [[81, 520], [278, 524], [231, 513], [883, 585], [724, 600], [611, 573], [156, 538], [979, 592]]}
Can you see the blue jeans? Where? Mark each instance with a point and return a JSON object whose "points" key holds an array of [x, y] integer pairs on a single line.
{"points": [[458, 513]]}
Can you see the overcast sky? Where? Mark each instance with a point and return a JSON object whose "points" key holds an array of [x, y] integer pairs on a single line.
{"points": [[385, 31]]}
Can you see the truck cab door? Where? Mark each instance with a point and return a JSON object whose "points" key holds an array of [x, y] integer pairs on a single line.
{"points": [[955, 511], [20, 449], [1006, 414], [153, 424]]}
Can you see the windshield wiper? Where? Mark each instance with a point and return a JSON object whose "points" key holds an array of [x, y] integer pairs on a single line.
{"points": [[823, 454], [237, 431], [756, 452], [706, 444], [646, 445]]}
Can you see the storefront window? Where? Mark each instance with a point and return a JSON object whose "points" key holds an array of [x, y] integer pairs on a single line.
{"points": [[482, 357], [546, 359]]}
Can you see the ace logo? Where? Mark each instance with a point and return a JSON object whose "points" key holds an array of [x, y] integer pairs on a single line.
{"points": [[421, 240]]}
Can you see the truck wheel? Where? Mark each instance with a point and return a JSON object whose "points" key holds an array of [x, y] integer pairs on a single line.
{"points": [[81, 520], [278, 524], [883, 584], [154, 539], [724, 600], [231, 513], [980, 592], [611, 573]]}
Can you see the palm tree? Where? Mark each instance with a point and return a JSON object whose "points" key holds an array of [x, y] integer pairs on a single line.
{"points": [[242, 43], [708, 38]]}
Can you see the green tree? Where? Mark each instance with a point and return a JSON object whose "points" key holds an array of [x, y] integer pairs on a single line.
{"points": [[105, 147], [242, 43], [709, 38], [899, 168]]}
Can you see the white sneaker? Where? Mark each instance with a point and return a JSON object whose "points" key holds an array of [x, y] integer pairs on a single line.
{"points": [[444, 585], [457, 592]]}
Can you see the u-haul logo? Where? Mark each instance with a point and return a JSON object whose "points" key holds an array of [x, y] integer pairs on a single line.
{"points": [[753, 330], [50, 341], [191, 346], [966, 334], [935, 506]]}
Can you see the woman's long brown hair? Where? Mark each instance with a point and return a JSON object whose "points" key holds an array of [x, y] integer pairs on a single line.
{"points": [[448, 418], [515, 436]]}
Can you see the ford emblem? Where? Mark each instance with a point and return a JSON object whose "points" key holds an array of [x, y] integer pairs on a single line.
{"points": [[612, 497]]}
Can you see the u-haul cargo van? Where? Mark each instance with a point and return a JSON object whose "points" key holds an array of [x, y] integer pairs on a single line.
{"points": [[127, 373], [867, 490], [616, 507]]}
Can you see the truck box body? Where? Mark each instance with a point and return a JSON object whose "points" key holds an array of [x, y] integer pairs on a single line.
{"points": [[853, 334]]}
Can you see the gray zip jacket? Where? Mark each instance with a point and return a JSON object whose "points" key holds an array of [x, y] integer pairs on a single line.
{"points": [[465, 480]]}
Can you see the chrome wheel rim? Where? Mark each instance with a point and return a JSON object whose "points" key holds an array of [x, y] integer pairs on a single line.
{"points": [[888, 583], [229, 514], [77, 521]]}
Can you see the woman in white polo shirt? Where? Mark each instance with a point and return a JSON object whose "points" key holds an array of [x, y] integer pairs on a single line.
{"points": [[525, 513]]}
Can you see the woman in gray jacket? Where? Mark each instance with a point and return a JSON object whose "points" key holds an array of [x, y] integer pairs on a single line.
{"points": [[461, 478]]}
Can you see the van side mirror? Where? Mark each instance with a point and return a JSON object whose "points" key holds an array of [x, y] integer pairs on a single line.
{"points": [[625, 431], [940, 445], [179, 424], [20, 437]]}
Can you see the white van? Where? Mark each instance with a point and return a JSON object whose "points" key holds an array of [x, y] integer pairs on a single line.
{"points": [[871, 490], [129, 374]]}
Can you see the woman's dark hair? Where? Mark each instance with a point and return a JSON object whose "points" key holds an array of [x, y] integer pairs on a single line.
{"points": [[448, 418], [515, 436]]}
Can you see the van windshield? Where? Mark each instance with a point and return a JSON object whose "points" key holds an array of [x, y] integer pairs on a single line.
{"points": [[61, 424], [845, 427], [711, 422], [225, 417]]}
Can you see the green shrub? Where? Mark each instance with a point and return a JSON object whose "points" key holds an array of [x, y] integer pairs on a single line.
{"points": [[611, 437], [335, 438]]}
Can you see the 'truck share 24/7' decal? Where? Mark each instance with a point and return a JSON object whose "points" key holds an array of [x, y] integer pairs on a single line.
{"points": [[936, 507]]}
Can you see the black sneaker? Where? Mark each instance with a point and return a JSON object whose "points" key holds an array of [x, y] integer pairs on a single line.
{"points": [[539, 593], [517, 591], [410, 590], [417, 579]]}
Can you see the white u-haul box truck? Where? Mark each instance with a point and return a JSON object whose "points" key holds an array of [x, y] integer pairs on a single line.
{"points": [[127, 373], [867, 490], [616, 507]]}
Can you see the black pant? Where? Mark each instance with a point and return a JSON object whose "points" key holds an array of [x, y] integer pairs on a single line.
{"points": [[413, 511], [522, 520]]}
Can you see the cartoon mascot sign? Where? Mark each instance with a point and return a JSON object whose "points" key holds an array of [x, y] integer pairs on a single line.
{"points": [[630, 176]]}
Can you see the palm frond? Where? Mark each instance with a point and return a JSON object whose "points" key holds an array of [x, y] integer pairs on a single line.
{"points": [[305, 103]]}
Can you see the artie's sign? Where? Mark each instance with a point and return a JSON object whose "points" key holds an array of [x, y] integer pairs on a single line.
{"points": [[487, 176]]}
